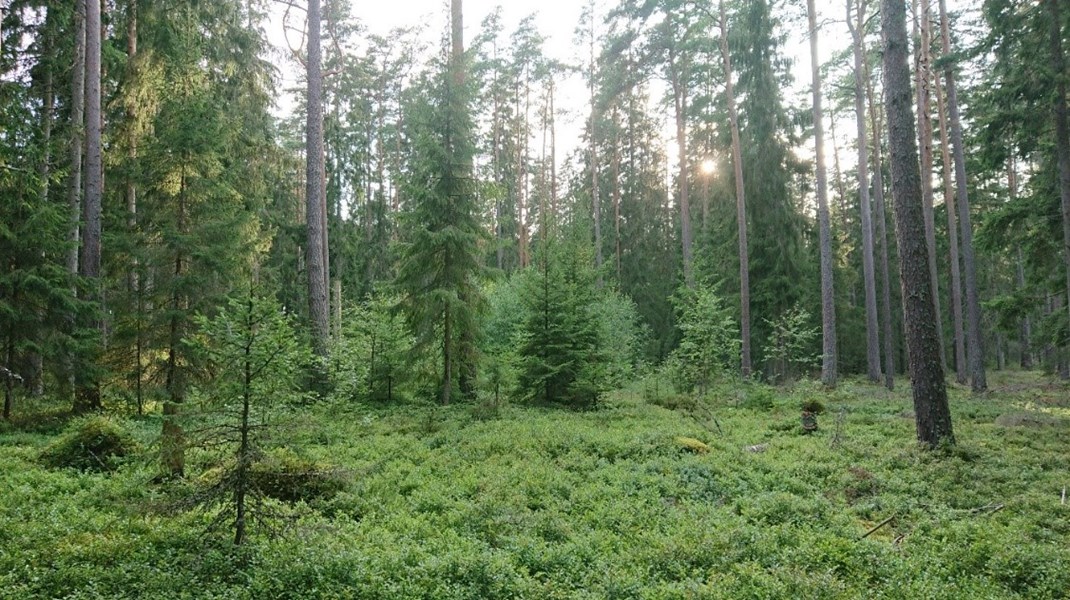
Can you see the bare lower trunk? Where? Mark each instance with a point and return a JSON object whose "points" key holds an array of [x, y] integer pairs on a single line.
{"points": [[741, 203], [873, 353], [974, 341], [930, 394], [888, 326], [923, 97], [596, 204], [961, 375], [87, 397], [679, 90], [318, 301], [1062, 132], [828, 293]]}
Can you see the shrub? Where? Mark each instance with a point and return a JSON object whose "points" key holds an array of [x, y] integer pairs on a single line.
{"points": [[94, 443]]}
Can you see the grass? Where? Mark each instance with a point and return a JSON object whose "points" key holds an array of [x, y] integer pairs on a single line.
{"points": [[544, 503]]}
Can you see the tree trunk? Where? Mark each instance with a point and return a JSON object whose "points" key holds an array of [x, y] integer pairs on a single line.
{"points": [[87, 397], [1062, 130], [873, 353], [679, 94], [923, 97], [616, 193], [596, 204], [318, 304], [974, 341], [961, 375], [888, 325], [930, 395], [74, 182], [828, 292], [741, 203]]}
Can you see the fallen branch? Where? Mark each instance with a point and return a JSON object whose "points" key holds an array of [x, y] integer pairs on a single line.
{"points": [[876, 527], [988, 509]]}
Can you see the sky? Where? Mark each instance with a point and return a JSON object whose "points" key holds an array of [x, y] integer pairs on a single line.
{"points": [[557, 20]]}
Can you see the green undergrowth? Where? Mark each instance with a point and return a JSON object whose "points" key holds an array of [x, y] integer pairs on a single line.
{"points": [[606, 503]]}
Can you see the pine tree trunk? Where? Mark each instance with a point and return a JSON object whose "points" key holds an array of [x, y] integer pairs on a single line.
{"points": [[930, 394], [596, 203], [873, 352], [828, 293], [888, 325], [616, 194], [741, 203], [44, 171], [974, 341], [87, 397], [679, 94], [318, 303], [923, 80], [1062, 130], [961, 375]]}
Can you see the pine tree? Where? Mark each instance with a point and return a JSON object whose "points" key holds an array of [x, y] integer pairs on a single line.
{"points": [[930, 394]]}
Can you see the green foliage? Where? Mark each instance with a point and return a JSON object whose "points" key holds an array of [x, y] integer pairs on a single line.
{"points": [[709, 346], [441, 259], [790, 348], [375, 359], [561, 354], [93, 443], [550, 504]]}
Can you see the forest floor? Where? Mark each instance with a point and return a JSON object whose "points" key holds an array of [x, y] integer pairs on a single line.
{"points": [[532, 502]]}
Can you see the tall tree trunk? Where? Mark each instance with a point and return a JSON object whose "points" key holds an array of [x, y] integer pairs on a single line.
{"points": [[961, 375], [74, 182], [172, 439], [888, 325], [88, 395], [933, 416], [596, 203], [679, 94], [974, 341], [74, 178], [828, 292], [923, 96], [44, 171], [318, 303], [616, 193], [741, 203], [1062, 130], [873, 353]]}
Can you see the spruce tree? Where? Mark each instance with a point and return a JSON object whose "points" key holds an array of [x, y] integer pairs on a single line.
{"points": [[441, 262]]}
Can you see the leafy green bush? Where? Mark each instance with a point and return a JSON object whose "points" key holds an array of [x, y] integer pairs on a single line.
{"points": [[94, 443]]}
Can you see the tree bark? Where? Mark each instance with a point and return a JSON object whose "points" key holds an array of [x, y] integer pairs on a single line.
{"points": [[679, 94], [828, 292], [923, 80], [87, 397], [1062, 130], [933, 417], [741, 202], [974, 341], [961, 375], [596, 204], [873, 353], [318, 303], [888, 325]]}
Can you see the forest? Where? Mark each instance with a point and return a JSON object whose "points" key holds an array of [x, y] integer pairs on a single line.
{"points": [[744, 299]]}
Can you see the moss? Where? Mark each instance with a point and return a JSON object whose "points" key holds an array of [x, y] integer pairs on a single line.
{"points": [[692, 445]]}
